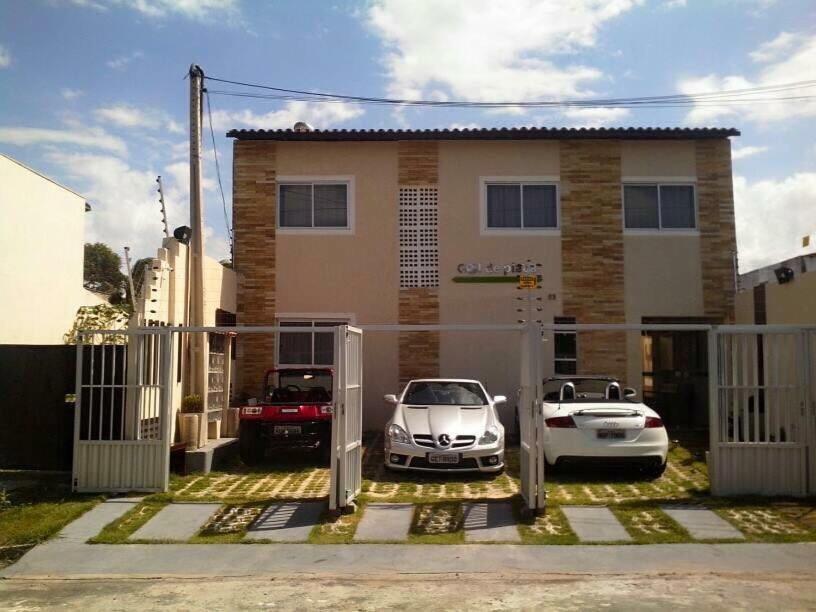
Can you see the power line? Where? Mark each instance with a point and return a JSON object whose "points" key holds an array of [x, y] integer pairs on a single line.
{"points": [[744, 95], [218, 169]]}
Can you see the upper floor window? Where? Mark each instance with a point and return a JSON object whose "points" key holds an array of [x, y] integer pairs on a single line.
{"points": [[314, 205], [522, 205], [307, 348], [659, 207]]}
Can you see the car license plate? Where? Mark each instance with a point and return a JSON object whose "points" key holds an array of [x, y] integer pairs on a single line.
{"points": [[611, 434], [446, 458], [287, 429], [290, 410]]}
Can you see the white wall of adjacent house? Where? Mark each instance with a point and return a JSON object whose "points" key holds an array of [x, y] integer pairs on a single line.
{"points": [[42, 241]]}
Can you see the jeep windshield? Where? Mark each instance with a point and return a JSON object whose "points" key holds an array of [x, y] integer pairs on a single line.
{"points": [[299, 386], [441, 393]]}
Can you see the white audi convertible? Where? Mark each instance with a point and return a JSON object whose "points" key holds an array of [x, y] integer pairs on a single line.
{"points": [[444, 425], [593, 418]]}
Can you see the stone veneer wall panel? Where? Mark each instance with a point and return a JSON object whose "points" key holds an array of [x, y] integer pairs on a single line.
{"points": [[592, 250], [718, 243], [254, 213], [418, 165]]}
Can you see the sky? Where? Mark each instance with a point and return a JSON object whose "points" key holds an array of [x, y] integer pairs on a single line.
{"points": [[93, 92]]}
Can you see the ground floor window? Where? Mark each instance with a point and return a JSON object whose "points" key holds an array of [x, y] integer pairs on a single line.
{"points": [[308, 348], [566, 348]]}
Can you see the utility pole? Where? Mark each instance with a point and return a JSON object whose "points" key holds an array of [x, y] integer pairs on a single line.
{"points": [[130, 280], [199, 366]]}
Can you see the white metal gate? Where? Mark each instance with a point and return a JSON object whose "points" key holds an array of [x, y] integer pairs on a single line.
{"points": [[347, 424], [761, 410], [531, 426], [122, 415]]}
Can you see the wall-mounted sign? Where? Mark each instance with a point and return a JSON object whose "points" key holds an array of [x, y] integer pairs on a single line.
{"points": [[508, 269]]}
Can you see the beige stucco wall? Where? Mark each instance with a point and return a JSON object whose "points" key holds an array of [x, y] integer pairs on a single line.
{"points": [[42, 239], [658, 158], [792, 303], [354, 274], [492, 357], [744, 308]]}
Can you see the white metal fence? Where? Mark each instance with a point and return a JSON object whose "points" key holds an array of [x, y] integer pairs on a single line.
{"points": [[123, 406]]}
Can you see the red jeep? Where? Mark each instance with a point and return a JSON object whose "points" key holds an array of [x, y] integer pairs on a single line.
{"points": [[295, 411]]}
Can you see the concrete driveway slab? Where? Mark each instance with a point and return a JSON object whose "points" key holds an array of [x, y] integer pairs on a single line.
{"points": [[490, 522], [703, 524], [176, 522], [385, 522], [286, 522], [595, 524]]}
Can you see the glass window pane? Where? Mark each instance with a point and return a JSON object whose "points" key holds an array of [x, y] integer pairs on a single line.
{"points": [[295, 206], [566, 367], [640, 206], [330, 206], [324, 348], [677, 206], [295, 347], [539, 206], [504, 206], [565, 346]]}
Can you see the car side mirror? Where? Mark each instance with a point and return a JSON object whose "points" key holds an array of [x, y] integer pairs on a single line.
{"points": [[391, 398], [499, 399], [629, 393]]}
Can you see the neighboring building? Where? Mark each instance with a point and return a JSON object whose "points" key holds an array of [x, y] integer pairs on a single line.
{"points": [[42, 246], [780, 294], [380, 227]]}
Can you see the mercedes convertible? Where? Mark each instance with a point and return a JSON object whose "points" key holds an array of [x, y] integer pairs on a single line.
{"points": [[592, 417], [444, 425]]}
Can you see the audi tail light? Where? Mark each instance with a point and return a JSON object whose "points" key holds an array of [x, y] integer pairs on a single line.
{"points": [[653, 422], [561, 422]]}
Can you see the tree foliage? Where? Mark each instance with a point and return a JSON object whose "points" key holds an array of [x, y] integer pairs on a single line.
{"points": [[102, 272], [101, 316]]}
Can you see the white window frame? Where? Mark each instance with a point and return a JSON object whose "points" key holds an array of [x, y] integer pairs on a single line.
{"points": [[550, 180], [312, 318], [660, 181], [348, 180]]}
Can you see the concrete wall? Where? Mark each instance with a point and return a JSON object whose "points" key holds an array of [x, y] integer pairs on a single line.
{"points": [[792, 303], [42, 240]]}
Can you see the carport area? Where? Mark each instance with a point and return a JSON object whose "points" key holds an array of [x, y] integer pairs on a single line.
{"points": [[753, 411]]}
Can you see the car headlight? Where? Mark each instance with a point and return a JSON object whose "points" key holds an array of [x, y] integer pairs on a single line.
{"points": [[490, 436], [397, 433]]}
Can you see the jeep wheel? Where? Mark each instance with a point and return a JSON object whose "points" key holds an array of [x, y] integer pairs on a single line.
{"points": [[249, 444]]}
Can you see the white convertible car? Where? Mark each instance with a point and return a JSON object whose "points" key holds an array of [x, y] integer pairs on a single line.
{"points": [[444, 425], [592, 417]]}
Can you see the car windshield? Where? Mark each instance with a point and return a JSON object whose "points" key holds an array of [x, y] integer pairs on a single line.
{"points": [[586, 389], [299, 386], [443, 393]]}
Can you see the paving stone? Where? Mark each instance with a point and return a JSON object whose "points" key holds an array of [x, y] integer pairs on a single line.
{"points": [[595, 524], [490, 522], [176, 522], [91, 523], [703, 524], [385, 522], [286, 522]]}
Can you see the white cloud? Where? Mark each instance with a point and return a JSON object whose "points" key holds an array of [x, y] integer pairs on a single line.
{"points": [[788, 58], [316, 114], [673, 4], [464, 126], [71, 94], [595, 117], [125, 203], [484, 50], [128, 116], [743, 152], [120, 62], [89, 137], [771, 218], [5, 57], [198, 10]]}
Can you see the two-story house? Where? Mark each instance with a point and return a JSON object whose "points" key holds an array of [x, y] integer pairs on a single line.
{"points": [[416, 226]]}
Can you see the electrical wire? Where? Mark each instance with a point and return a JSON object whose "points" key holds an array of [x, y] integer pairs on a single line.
{"points": [[218, 169], [719, 98]]}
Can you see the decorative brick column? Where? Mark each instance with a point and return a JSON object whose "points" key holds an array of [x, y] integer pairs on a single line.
{"points": [[254, 213], [718, 242], [418, 173], [592, 250]]}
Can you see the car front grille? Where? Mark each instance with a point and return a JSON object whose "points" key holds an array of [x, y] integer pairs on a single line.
{"points": [[424, 440], [463, 441]]}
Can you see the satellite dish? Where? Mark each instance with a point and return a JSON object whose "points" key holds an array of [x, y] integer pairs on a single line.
{"points": [[302, 126]]}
